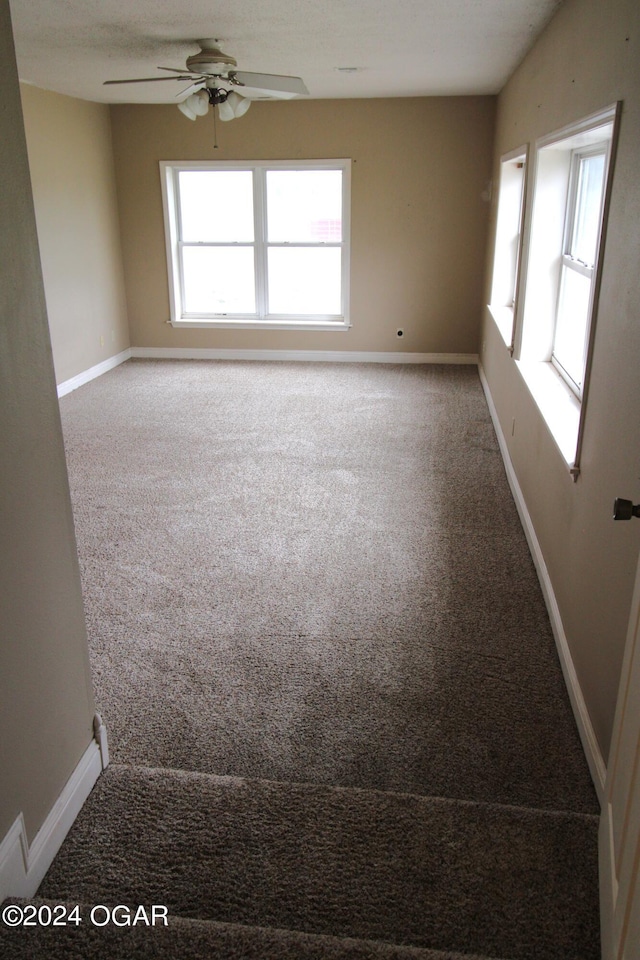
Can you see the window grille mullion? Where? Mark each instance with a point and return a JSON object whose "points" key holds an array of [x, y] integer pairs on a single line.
{"points": [[321, 244], [259, 200]]}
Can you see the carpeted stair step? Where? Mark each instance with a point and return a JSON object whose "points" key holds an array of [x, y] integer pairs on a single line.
{"points": [[191, 940], [451, 875]]}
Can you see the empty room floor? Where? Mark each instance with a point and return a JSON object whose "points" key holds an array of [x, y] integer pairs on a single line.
{"points": [[319, 644]]}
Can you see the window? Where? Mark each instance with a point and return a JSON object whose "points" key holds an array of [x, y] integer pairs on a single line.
{"points": [[506, 260], [586, 187], [555, 332], [258, 244]]}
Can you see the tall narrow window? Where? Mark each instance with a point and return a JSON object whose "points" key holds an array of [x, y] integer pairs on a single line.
{"points": [[506, 258], [260, 243], [586, 188], [555, 334]]}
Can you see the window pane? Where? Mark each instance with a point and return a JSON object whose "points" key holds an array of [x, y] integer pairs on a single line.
{"points": [[505, 267], [304, 206], [587, 213], [218, 280], [569, 347], [305, 280], [216, 206]]}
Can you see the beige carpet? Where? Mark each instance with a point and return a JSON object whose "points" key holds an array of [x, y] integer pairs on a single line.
{"points": [[333, 698], [315, 572]]}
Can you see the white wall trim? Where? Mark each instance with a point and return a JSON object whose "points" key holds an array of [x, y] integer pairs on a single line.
{"points": [[583, 720], [100, 736], [318, 356], [68, 385], [23, 866], [608, 883]]}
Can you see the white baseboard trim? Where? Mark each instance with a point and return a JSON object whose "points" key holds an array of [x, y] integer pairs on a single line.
{"points": [[100, 736], [68, 385], [205, 353], [317, 356], [23, 866], [608, 883], [583, 720]]}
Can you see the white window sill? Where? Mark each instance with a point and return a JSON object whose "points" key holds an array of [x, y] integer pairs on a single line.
{"points": [[503, 318], [557, 404], [253, 324]]}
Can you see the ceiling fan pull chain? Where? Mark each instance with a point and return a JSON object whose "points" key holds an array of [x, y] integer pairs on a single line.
{"points": [[215, 128]]}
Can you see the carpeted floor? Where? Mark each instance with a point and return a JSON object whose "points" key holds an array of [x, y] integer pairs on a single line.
{"points": [[336, 712], [348, 863], [316, 573], [186, 939]]}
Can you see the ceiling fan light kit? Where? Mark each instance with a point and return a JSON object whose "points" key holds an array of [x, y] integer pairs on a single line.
{"points": [[233, 107], [196, 105]]}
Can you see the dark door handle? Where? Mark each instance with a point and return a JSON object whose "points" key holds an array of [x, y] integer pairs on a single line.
{"points": [[625, 509]]}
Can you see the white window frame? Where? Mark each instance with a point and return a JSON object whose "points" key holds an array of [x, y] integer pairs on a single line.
{"points": [[562, 406], [260, 320], [567, 262], [507, 256]]}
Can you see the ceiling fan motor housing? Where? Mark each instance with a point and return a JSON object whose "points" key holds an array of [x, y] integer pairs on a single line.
{"points": [[210, 61]]}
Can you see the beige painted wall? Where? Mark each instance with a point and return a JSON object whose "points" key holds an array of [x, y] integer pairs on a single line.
{"points": [[46, 703], [71, 162], [418, 219], [587, 58]]}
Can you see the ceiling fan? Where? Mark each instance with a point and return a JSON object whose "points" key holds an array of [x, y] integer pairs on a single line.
{"points": [[215, 80]]}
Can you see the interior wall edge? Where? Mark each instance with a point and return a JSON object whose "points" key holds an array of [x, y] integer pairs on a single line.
{"points": [[590, 745], [46, 695], [608, 882], [23, 865]]}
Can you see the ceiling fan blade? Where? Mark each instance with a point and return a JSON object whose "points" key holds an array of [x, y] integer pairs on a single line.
{"points": [[192, 88], [271, 84], [146, 80]]}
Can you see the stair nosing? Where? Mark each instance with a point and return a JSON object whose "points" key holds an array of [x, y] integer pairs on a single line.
{"points": [[329, 787]]}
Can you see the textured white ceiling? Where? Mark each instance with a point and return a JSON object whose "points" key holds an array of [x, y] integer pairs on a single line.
{"points": [[399, 47]]}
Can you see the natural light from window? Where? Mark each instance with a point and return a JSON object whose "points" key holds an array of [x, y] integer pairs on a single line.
{"points": [[506, 260], [578, 260], [555, 333], [262, 242]]}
